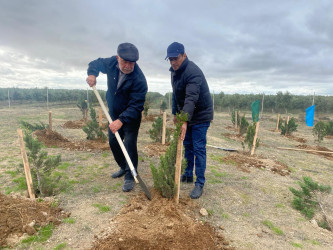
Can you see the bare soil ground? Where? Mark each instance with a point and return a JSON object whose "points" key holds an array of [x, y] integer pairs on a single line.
{"points": [[241, 192]]}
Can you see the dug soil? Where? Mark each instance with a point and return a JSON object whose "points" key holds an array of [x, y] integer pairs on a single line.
{"points": [[159, 224], [20, 216]]}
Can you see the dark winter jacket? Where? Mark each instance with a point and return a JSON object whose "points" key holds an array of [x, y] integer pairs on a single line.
{"points": [[126, 102], [191, 93]]}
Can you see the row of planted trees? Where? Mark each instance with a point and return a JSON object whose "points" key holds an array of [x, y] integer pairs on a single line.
{"points": [[278, 103]]}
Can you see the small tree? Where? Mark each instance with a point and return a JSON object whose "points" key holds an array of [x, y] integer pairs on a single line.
{"points": [[320, 130], [164, 175], [92, 128], [290, 127], [34, 127], [42, 166], [329, 128], [163, 106], [250, 133], [243, 125], [83, 106], [156, 132], [233, 117], [146, 105], [307, 200]]}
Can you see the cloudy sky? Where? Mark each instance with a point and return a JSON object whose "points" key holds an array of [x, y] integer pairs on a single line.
{"points": [[241, 46]]}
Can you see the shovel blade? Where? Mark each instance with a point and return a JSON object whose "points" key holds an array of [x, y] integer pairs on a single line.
{"points": [[144, 187]]}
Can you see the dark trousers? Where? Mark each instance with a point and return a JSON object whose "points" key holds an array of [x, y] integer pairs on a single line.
{"points": [[129, 135], [195, 151]]}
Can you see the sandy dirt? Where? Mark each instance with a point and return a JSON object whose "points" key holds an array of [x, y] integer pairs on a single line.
{"points": [[241, 191]]}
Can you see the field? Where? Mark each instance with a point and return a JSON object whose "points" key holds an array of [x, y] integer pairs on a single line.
{"points": [[248, 200]]}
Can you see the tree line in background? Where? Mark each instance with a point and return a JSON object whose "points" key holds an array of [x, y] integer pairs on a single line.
{"points": [[279, 103]]}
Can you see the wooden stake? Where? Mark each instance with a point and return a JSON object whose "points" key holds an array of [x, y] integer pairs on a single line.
{"points": [[288, 119], [178, 167], [100, 117], [143, 115], [306, 150], [277, 123], [164, 128], [26, 165], [255, 139], [236, 114], [50, 120]]}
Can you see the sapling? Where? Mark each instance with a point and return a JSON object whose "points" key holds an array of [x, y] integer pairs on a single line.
{"points": [[250, 133], [320, 130], [289, 128], [92, 128], [307, 199], [83, 106], [164, 175], [156, 132], [41, 165]]}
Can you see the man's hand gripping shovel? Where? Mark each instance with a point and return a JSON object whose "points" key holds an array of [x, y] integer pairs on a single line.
{"points": [[122, 146]]}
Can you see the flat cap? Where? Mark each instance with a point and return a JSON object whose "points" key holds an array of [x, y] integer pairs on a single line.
{"points": [[128, 52]]}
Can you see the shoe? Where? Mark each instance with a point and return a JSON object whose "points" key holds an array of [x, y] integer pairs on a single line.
{"points": [[196, 192], [128, 185], [118, 174], [187, 179]]}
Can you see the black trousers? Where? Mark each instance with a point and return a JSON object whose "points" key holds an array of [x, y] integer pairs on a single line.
{"points": [[129, 135]]}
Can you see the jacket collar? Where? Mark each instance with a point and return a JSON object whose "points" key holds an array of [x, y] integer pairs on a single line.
{"points": [[181, 68]]}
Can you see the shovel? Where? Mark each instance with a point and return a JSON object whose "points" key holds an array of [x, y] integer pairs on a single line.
{"points": [[122, 146], [224, 149]]}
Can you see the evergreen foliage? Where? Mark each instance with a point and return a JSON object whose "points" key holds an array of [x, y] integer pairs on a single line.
{"points": [[320, 130], [244, 124], [163, 106], [329, 128], [164, 175], [306, 199], [250, 132], [289, 128], [83, 106], [34, 127], [156, 132], [92, 128], [42, 166], [233, 117], [146, 105]]}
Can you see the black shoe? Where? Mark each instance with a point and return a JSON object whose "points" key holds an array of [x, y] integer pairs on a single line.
{"points": [[196, 192], [187, 179], [128, 185], [118, 174]]}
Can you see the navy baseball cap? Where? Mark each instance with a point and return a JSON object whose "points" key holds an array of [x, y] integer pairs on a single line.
{"points": [[175, 49], [128, 52]]}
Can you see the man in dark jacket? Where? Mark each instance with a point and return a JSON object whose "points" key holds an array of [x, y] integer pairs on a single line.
{"points": [[191, 95], [127, 88]]}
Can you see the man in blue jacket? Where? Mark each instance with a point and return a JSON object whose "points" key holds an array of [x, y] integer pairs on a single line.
{"points": [[191, 95], [127, 88]]}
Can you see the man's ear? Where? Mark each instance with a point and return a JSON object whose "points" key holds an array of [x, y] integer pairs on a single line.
{"points": [[185, 55]]}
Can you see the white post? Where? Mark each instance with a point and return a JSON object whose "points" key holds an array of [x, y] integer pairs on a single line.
{"points": [[313, 98], [262, 105], [169, 100], [47, 98], [8, 99]]}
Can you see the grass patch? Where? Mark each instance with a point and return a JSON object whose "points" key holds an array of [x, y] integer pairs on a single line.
{"points": [[217, 158], [279, 205], [12, 173], [271, 226], [60, 246], [43, 235], [298, 245], [314, 242], [69, 220], [102, 208], [116, 186], [210, 212], [64, 166], [105, 154], [21, 185], [97, 189]]}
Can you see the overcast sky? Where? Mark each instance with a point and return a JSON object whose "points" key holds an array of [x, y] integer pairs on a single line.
{"points": [[241, 46]]}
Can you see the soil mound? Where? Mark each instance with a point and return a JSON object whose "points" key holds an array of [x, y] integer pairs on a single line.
{"points": [[245, 162], [54, 139], [20, 215], [158, 224], [317, 148], [156, 149], [74, 124]]}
